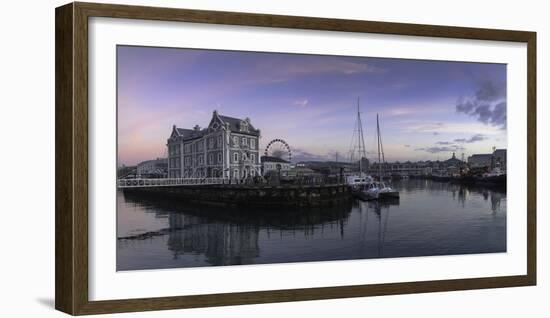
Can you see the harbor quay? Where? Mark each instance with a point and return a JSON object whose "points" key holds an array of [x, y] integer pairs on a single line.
{"points": [[243, 195]]}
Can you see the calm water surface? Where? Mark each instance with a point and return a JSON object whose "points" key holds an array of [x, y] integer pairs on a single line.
{"points": [[431, 218]]}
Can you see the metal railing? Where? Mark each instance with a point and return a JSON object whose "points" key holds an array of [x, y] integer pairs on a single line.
{"points": [[168, 182]]}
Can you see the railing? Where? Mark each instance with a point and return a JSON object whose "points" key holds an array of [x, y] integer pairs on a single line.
{"points": [[167, 182]]}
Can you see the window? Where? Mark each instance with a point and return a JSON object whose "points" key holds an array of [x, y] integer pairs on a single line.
{"points": [[219, 141], [219, 157], [243, 141], [253, 158], [200, 160], [211, 159], [235, 157], [235, 140], [236, 173], [211, 143], [244, 157], [252, 143], [253, 172]]}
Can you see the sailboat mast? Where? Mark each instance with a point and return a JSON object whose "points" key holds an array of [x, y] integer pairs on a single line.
{"points": [[361, 138], [378, 140], [359, 134]]}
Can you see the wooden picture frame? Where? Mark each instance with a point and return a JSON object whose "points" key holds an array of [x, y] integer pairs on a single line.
{"points": [[71, 90]]}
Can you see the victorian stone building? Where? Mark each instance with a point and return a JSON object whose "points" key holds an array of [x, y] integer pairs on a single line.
{"points": [[227, 148]]}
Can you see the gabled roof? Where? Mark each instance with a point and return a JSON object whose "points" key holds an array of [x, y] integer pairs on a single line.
{"points": [[235, 124]]}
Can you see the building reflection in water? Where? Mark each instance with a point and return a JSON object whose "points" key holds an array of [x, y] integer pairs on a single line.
{"points": [[230, 236]]}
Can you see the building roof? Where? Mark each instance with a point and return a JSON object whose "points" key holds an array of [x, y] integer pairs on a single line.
{"points": [[234, 124], [453, 160], [272, 159], [157, 161], [191, 133], [481, 156]]}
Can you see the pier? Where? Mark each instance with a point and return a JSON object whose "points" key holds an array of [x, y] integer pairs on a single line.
{"points": [[169, 182], [218, 191]]}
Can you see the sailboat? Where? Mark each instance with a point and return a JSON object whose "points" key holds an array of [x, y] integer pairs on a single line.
{"points": [[359, 181], [384, 191]]}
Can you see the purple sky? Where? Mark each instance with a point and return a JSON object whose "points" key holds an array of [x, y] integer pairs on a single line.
{"points": [[428, 109]]}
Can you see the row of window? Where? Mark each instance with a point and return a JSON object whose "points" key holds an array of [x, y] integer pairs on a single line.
{"points": [[175, 162], [244, 157], [213, 142], [244, 142], [214, 173]]}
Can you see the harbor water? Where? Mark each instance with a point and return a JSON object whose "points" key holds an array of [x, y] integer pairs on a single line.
{"points": [[430, 218]]}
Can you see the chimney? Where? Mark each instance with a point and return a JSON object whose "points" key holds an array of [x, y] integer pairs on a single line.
{"points": [[197, 128]]}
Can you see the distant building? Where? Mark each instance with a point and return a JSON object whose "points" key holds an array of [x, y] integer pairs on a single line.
{"points": [[500, 158], [275, 164], [489, 161], [157, 168], [227, 148], [331, 167], [419, 168], [480, 160]]}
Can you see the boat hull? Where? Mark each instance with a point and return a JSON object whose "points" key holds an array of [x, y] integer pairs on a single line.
{"points": [[365, 195], [388, 195]]}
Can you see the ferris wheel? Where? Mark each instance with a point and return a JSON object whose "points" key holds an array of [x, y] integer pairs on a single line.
{"points": [[278, 148]]}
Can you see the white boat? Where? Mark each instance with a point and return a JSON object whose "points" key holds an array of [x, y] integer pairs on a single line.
{"points": [[356, 181], [387, 192], [379, 190], [360, 180]]}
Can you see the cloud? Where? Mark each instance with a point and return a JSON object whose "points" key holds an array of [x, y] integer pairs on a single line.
{"points": [[439, 128], [444, 143], [452, 148], [474, 138], [323, 65], [301, 102], [490, 91], [488, 105], [408, 146]]}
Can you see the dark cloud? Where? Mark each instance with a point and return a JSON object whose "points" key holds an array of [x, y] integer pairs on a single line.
{"points": [[474, 138], [490, 91], [488, 105], [443, 143]]}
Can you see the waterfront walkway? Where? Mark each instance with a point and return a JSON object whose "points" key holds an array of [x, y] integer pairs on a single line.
{"points": [[170, 182]]}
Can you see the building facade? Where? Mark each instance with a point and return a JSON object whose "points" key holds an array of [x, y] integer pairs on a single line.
{"points": [[227, 148], [275, 165], [452, 165], [489, 160], [157, 168]]}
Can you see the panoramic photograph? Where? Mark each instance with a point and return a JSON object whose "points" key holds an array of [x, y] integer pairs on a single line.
{"points": [[229, 158]]}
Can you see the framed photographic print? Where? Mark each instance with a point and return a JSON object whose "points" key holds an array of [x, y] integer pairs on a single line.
{"points": [[218, 158]]}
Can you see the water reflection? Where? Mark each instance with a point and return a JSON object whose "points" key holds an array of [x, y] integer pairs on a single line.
{"points": [[431, 218]]}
